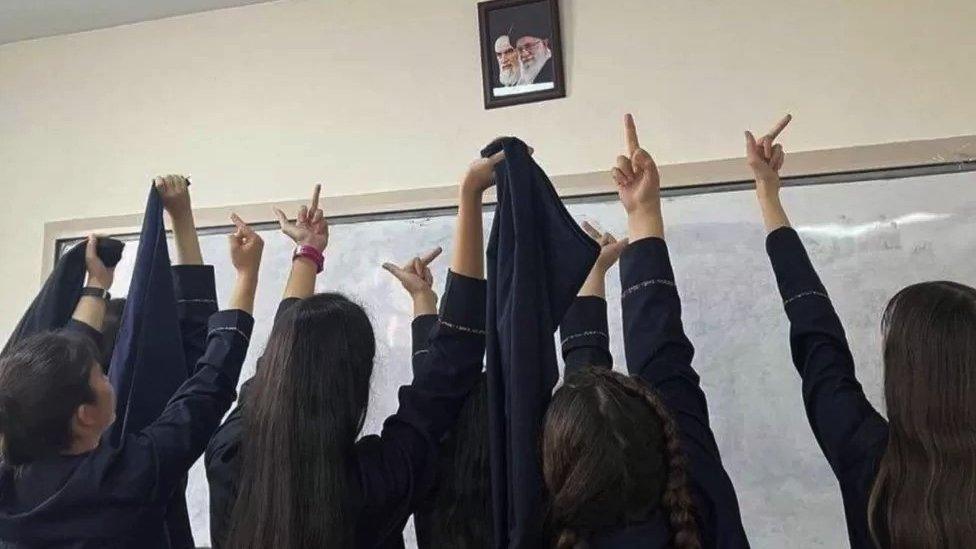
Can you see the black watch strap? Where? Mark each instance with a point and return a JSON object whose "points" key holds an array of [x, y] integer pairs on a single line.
{"points": [[90, 291]]}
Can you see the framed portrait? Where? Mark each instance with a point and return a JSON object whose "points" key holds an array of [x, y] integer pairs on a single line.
{"points": [[521, 51]]}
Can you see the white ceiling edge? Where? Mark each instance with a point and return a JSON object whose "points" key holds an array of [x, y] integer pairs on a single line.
{"points": [[22, 20]]}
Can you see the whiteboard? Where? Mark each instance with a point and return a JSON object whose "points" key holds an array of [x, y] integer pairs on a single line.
{"points": [[868, 239]]}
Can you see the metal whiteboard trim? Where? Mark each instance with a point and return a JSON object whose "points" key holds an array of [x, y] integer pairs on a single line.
{"points": [[800, 181]]}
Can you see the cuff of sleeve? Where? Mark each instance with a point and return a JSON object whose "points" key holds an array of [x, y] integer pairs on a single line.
{"points": [[195, 284], [795, 274], [420, 329], [585, 324], [236, 322], [463, 305], [645, 263], [84, 330]]}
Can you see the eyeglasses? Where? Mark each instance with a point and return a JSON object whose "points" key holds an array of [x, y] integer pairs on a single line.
{"points": [[527, 48]]}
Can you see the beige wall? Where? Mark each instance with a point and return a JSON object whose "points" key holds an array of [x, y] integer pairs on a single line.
{"points": [[369, 95]]}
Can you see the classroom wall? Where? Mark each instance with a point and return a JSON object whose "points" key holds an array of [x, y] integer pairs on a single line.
{"points": [[261, 101]]}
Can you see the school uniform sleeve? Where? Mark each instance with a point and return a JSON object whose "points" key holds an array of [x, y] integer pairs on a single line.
{"points": [[420, 330], [396, 468], [844, 422], [178, 437], [659, 352], [584, 335], [196, 300], [79, 328]]}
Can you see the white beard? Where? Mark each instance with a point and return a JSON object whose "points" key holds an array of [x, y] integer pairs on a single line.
{"points": [[509, 77], [530, 71]]}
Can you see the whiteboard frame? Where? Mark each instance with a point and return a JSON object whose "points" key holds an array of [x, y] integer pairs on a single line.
{"points": [[845, 165]]}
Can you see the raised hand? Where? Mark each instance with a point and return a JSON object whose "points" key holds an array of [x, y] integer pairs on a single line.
{"points": [[246, 247], [639, 187], [766, 157], [417, 280], [481, 174], [99, 276], [638, 181], [610, 248], [175, 192], [415, 275], [310, 227]]}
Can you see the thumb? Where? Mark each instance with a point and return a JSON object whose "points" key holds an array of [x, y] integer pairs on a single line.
{"points": [[91, 248], [397, 272], [282, 218]]}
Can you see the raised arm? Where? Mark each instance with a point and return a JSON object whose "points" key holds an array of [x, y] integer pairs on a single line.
{"points": [[178, 437], [90, 310], [193, 282], [429, 406], [657, 348], [310, 233], [418, 281], [584, 333], [836, 407], [655, 344]]}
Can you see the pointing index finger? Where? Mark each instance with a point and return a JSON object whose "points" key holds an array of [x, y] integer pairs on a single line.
{"points": [[631, 134]]}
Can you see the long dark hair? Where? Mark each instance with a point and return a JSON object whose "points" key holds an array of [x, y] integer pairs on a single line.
{"points": [[43, 380], [308, 407], [925, 492], [611, 458], [461, 514]]}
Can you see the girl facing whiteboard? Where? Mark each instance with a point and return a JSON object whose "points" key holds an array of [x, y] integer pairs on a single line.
{"points": [[63, 483], [631, 461], [909, 481], [287, 469]]}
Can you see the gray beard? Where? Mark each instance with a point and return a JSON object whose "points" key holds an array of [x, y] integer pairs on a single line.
{"points": [[529, 72], [508, 77]]}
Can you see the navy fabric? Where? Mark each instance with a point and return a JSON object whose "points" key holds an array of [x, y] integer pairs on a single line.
{"points": [[116, 496], [392, 470], [659, 353], [538, 257], [851, 433], [149, 363], [584, 335], [57, 299]]}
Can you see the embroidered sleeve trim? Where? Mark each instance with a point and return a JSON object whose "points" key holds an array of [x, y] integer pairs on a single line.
{"points": [[585, 334], [805, 294], [463, 328], [645, 284], [230, 329]]}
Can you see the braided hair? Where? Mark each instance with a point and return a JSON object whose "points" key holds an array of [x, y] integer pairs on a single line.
{"points": [[612, 457]]}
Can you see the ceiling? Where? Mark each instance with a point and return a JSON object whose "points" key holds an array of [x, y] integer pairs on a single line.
{"points": [[26, 19]]}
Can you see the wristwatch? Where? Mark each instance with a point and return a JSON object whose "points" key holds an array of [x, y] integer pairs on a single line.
{"points": [[91, 291], [310, 253]]}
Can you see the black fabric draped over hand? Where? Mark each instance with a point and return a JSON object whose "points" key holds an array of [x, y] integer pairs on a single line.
{"points": [[148, 364], [538, 257], [57, 299]]}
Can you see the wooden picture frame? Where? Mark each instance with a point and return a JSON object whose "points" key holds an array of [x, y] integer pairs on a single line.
{"points": [[517, 65]]}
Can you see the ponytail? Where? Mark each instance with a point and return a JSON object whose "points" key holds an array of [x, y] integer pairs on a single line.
{"points": [[677, 498]]}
